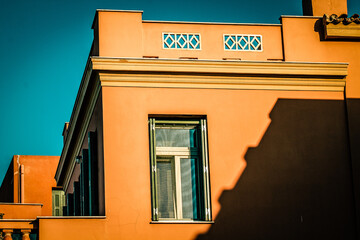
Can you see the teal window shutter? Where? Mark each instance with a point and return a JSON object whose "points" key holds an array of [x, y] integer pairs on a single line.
{"points": [[84, 184], [70, 204], [76, 199], [93, 175], [153, 168]]}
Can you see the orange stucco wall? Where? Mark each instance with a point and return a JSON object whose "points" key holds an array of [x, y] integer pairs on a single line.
{"points": [[302, 42], [39, 172], [321, 7], [145, 38], [70, 228], [20, 211], [237, 120]]}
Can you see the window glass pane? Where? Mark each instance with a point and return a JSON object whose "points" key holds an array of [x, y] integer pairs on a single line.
{"points": [[33, 236], [188, 188], [175, 137], [57, 212], [165, 189]]}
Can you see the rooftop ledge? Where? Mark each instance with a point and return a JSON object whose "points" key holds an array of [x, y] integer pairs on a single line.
{"points": [[249, 75], [219, 67]]}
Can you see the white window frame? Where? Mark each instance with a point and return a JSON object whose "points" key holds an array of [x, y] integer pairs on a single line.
{"points": [[179, 153]]}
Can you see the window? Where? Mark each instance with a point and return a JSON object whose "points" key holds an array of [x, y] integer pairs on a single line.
{"points": [[179, 170]]}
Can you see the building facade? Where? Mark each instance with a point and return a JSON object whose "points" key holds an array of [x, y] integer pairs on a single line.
{"points": [[214, 130]]}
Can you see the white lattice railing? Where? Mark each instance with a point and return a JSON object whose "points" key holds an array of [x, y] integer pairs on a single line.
{"points": [[242, 42], [189, 41]]}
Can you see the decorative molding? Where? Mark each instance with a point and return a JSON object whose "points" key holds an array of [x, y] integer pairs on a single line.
{"points": [[183, 41], [216, 82], [243, 42], [138, 65], [220, 74], [341, 27]]}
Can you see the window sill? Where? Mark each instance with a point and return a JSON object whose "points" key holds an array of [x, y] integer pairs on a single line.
{"points": [[180, 222]]}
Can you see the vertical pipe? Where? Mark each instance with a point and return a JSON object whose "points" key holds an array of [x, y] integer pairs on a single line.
{"points": [[18, 179], [22, 185]]}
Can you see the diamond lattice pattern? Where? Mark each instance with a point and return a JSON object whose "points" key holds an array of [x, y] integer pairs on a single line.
{"points": [[241, 42], [181, 41]]}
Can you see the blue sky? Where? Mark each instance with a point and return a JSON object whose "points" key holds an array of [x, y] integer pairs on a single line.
{"points": [[44, 46]]}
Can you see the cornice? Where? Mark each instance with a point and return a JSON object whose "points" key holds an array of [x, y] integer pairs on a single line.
{"points": [[220, 74]]}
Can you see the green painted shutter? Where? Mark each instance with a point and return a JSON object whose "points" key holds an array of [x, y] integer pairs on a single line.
{"points": [[76, 199], [65, 212], [70, 204], [93, 175], [153, 167], [205, 162], [58, 201], [81, 181], [84, 184]]}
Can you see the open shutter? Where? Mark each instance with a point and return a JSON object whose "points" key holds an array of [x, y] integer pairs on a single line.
{"points": [[76, 199], [70, 204], [93, 175], [155, 211], [58, 201], [84, 183], [204, 150]]}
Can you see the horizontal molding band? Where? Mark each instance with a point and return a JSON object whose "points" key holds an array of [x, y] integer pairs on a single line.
{"points": [[219, 67], [224, 86], [221, 74]]}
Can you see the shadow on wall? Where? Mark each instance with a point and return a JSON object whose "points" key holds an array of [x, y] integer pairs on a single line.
{"points": [[297, 183]]}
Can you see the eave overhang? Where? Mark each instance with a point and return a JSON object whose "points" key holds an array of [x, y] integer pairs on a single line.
{"points": [[220, 74], [196, 74]]}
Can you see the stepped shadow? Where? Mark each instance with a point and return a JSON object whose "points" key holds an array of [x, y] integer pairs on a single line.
{"points": [[297, 183]]}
